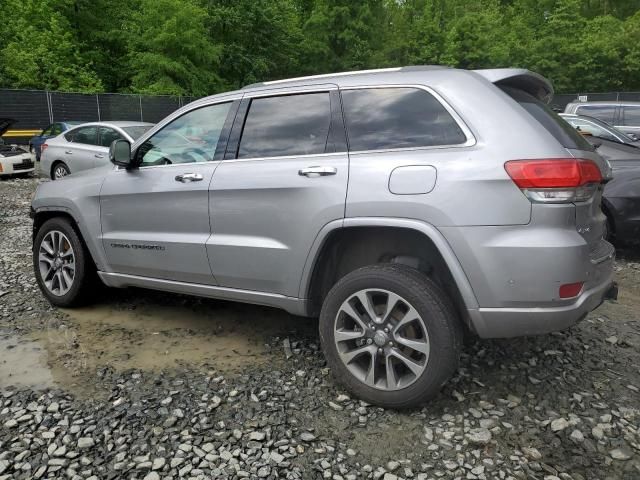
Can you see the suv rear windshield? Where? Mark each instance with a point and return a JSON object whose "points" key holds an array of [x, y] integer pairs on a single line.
{"points": [[552, 122]]}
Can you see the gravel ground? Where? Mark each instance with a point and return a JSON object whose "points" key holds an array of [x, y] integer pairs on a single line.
{"points": [[147, 385]]}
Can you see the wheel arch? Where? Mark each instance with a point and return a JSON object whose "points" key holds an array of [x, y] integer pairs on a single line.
{"points": [[41, 216], [344, 246], [53, 165]]}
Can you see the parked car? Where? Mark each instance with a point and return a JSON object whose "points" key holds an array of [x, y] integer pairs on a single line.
{"points": [[621, 197], [597, 128], [624, 116], [13, 159], [86, 146], [621, 202], [429, 220], [52, 130]]}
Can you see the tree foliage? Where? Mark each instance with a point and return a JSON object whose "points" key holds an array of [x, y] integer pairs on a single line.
{"points": [[199, 47]]}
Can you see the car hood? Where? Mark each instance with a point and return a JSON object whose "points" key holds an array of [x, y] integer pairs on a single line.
{"points": [[5, 123]]}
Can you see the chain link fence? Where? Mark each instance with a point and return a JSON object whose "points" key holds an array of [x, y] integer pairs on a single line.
{"points": [[35, 109]]}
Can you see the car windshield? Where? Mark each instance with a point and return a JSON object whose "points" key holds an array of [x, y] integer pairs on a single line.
{"points": [[137, 131], [599, 128]]}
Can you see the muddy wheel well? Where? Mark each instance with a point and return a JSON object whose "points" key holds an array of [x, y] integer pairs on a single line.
{"points": [[41, 217], [351, 248]]}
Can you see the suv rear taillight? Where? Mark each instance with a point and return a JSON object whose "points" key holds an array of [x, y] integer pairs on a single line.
{"points": [[555, 180], [43, 147]]}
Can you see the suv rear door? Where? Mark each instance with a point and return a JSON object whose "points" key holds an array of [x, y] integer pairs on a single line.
{"points": [[283, 179]]}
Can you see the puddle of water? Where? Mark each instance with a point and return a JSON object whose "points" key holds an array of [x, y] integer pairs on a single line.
{"points": [[23, 363]]}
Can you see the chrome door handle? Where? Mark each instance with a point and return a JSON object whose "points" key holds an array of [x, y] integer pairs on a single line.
{"points": [[69, 152], [97, 155], [189, 177], [317, 171]]}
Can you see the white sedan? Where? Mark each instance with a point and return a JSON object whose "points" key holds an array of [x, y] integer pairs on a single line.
{"points": [[13, 159], [85, 146]]}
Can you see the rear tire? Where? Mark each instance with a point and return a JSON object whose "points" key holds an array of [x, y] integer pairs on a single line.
{"points": [[59, 170], [423, 352], [62, 264]]}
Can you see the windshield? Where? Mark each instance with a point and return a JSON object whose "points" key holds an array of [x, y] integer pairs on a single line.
{"points": [[598, 128], [136, 132]]}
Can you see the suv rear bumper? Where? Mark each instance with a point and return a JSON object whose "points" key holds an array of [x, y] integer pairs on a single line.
{"points": [[516, 322]]}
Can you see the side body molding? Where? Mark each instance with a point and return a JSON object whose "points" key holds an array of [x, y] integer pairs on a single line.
{"points": [[469, 298]]}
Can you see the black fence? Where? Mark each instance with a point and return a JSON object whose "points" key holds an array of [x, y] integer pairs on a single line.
{"points": [[35, 109]]}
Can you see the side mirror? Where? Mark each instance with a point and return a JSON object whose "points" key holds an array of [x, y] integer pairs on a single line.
{"points": [[120, 153]]}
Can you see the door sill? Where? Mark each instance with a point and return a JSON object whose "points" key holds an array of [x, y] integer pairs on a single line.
{"points": [[295, 306]]}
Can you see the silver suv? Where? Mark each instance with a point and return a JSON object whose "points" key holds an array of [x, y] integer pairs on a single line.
{"points": [[402, 206]]}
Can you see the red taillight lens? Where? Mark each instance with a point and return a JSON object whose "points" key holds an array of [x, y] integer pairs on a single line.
{"points": [[43, 147], [570, 290], [553, 173], [555, 180]]}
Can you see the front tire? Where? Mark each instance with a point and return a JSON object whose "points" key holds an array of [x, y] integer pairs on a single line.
{"points": [[390, 335], [62, 265]]}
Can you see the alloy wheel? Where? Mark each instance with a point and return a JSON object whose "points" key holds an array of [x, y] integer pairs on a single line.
{"points": [[57, 263], [381, 339], [60, 172]]}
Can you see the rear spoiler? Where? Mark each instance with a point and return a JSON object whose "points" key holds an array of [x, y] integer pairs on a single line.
{"points": [[520, 78]]}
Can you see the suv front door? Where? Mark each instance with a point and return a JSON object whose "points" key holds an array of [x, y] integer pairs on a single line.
{"points": [[155, 218], [280, 183]]}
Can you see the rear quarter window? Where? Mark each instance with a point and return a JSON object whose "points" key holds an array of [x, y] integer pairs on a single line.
{"points": [[564, 133], [397, 117]]}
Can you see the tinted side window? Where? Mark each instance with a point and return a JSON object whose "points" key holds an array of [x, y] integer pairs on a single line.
{"points": [[108, 135], [564, 133], [86, 135], [286, 125], [193, 137], [632, 116], [606, 113], [47, 131], [57, 129], [381, 118]]}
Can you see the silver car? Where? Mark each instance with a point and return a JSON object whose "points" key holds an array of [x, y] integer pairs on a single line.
{"points": [[402, 206], [623, 115], [85, 146]]}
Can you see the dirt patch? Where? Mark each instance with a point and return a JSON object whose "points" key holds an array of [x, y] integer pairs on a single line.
{"points": [[150, 331]]}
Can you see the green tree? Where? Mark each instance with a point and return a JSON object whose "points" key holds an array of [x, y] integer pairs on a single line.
{"points": [[260, 39], [169, 51], [38, 48], [344, 35]]}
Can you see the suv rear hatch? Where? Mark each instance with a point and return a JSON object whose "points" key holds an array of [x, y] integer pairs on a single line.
{"points": [[533, 92]]}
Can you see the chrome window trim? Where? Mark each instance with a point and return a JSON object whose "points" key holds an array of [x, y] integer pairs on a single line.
{"points": [[471, 139], [297, 90], [469, 142]]}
